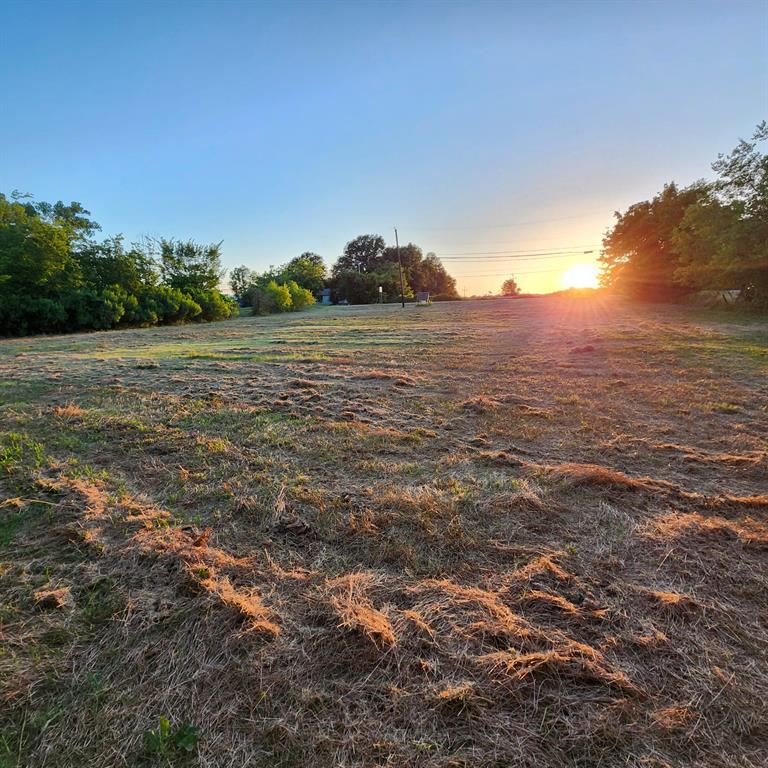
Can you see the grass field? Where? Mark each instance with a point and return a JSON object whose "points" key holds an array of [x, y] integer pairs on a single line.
{"points": [[500, 533]]}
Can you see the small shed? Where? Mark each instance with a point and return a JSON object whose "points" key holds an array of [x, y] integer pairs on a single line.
{"points": [[325, 296], [422, 297]]}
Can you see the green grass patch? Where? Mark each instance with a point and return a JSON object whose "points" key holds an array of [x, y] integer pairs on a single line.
{"points": [[19, 451], [14, 520], [21, 392], [100, 601]]}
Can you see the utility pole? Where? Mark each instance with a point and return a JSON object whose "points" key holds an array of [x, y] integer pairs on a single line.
{"points": [[400, 265]]}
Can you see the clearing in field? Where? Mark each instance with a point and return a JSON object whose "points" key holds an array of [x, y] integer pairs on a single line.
{"points": [[526, 532]]}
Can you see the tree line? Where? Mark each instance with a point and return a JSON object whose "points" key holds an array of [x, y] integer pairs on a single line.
{"points": [[711, 235], [55, 276], [366, 264]]}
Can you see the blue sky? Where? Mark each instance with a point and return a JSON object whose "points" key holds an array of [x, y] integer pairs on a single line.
{"points": [[284, 127]]}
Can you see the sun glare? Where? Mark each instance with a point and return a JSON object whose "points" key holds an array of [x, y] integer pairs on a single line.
{"points": [[580, 276]]}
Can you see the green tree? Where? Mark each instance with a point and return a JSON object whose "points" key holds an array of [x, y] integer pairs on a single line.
{"points": [[743, 176], [35, 253], [356, 287], [307, 270], [188, 266], [432, 276], [410, 257], [707, 244], [722, 240], [510, 287], [639, 255], [73, 218], [422, 273], [367, 255], [109, 263], [240, 279], [363, 287], [363, 254]]}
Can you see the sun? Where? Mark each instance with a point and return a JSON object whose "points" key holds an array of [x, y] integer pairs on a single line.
{"points": [[580, 276]]}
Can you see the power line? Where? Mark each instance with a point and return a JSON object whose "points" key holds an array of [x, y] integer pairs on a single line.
{"points": [[531, 251], [510, 273], [523, 257], [459, 260], [512, 224], [507, 242]]}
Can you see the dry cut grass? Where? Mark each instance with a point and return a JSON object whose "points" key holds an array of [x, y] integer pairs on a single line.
{"points": [[368, 538]]}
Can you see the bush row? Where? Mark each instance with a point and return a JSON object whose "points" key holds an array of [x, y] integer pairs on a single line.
{"points": [[91, 309], [279, 297]]}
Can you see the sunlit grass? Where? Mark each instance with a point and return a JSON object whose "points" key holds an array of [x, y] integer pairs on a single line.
{"points": [[378, 524]]}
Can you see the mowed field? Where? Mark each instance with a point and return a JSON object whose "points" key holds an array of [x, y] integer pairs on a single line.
{"points": [[492, 533]]}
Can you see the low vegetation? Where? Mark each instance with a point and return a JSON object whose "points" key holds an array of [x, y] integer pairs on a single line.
{"points": [[436, 537], [55, 277], [289, 288]]}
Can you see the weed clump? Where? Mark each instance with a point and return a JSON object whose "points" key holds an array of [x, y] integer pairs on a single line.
{"points": [[165, 741]]}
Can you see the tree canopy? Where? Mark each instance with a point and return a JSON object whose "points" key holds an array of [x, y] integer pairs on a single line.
{"points": [[55, 277], [510, 287], [363, 254], [307, 270], [638, 253], [240, 278], [189, 266], [368, 263], [710, 235]]}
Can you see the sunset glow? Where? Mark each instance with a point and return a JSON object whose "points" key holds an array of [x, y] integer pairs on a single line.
{"points": [[581, 276]]}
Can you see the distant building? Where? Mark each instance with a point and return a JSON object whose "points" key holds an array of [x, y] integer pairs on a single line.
{"points": [[325, 296], [422, 297]]}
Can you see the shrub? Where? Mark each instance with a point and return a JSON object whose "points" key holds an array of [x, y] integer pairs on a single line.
{"points": [[149, 308], [100, 310], [300, 297], [169, 305], [132, 314], [20, 315], [55, 278], [214, 305], [87, 309], [278, 297], [275, 298], [49, 313]]}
